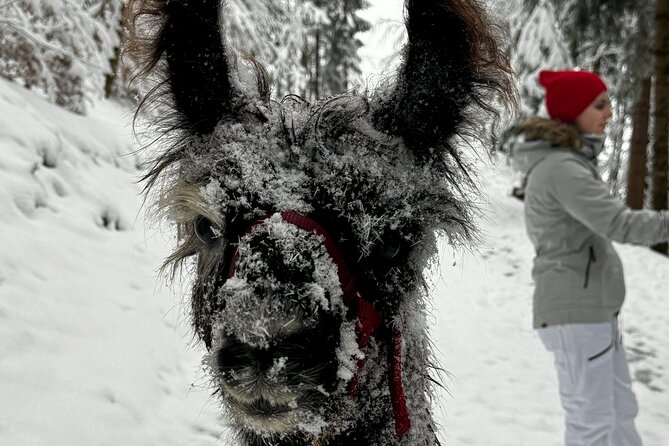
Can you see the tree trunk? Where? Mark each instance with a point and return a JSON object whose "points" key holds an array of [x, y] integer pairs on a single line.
{"points": [[305, 61], [661, 127], [113, 66], [348, 37], [116, 58], [317, 66], [636, 175]]}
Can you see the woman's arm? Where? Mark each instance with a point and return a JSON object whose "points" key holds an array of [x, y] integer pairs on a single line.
{"points": [[589, 201]]}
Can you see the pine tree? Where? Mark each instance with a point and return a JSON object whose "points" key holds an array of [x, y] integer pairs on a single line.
{"points": [[608, 37], [661, 136], [109, 14], [338, 62], [637, 171], [59, 49], [278, 34], [536, 43], [637, 39]]}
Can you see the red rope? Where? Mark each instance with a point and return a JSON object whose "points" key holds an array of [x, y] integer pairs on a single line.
{"points": [[397, 396]]}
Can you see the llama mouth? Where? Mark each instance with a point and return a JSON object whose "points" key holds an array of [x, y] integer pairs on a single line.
{"points": [[264, 417], [262, 408]]}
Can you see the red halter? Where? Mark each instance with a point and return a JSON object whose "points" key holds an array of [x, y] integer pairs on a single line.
{"points": [[368, 317]]}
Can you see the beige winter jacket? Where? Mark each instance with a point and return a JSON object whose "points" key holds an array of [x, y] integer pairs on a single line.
{"points": [[571, 218]]}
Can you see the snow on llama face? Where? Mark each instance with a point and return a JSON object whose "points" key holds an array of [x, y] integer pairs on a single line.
{"points": [[267, 298]]}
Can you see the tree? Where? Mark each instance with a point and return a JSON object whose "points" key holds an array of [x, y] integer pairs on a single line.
{"points": [[338, 61], [661, 111], [109, 14], [277, 33], [536, 43], [638, 50], [59, 49], [309, 47], [609, 37], [636, 177]]}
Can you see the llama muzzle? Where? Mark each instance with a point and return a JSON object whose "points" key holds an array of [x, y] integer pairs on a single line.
{"points": [[367, 319]]}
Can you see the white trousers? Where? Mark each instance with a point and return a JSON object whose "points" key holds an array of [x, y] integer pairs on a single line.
{"points": [[594, 382]]}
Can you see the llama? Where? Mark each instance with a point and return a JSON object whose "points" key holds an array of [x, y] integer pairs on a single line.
{"points": [[309, 226]]}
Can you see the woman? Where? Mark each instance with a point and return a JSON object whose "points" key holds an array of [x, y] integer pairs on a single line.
{"points": [[571, 218]]}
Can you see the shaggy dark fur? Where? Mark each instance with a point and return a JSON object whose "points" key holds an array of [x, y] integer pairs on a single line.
{"points": [[380, 174]]}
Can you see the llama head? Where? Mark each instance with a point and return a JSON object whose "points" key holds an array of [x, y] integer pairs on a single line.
{"points": [[296, 216], [310, 226]]}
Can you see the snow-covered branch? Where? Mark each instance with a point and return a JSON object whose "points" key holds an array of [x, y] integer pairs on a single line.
{"points": [[61, 49]]}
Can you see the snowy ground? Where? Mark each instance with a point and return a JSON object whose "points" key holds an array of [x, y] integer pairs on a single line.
{"points": [[92, 350], [95, 351]]}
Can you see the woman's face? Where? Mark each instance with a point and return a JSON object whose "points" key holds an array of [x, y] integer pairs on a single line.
{"points": [[593, 119]]}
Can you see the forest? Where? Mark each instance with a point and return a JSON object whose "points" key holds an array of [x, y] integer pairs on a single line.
{"points": [[72, 53]]}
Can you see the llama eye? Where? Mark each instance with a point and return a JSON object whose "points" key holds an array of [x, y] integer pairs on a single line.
{"points": [[206, 231], [389, 248]]}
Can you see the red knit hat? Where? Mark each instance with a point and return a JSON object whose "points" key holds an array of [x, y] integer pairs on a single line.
{"points": [[568, 93]]}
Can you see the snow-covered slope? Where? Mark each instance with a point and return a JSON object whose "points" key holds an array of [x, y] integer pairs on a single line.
{"points": [[89, 349], [94, 351]]}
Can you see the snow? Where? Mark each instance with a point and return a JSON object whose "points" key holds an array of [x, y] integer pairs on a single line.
{"points": [[92, 350], [382, 43], [95, 350]]}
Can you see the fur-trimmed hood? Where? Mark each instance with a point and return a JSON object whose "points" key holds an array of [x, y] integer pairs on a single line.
{"points": [[544, 136], [556, 132]]}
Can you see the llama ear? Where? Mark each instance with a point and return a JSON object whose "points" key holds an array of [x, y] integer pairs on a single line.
{"points": [[451, 61], [189, 54]]}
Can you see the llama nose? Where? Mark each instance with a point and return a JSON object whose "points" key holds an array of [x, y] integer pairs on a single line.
{"points": [[235, 355], [264, 359]]}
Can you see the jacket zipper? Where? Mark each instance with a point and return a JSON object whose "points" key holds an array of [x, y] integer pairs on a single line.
{"points": [[603, 352], [591, 260]]}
